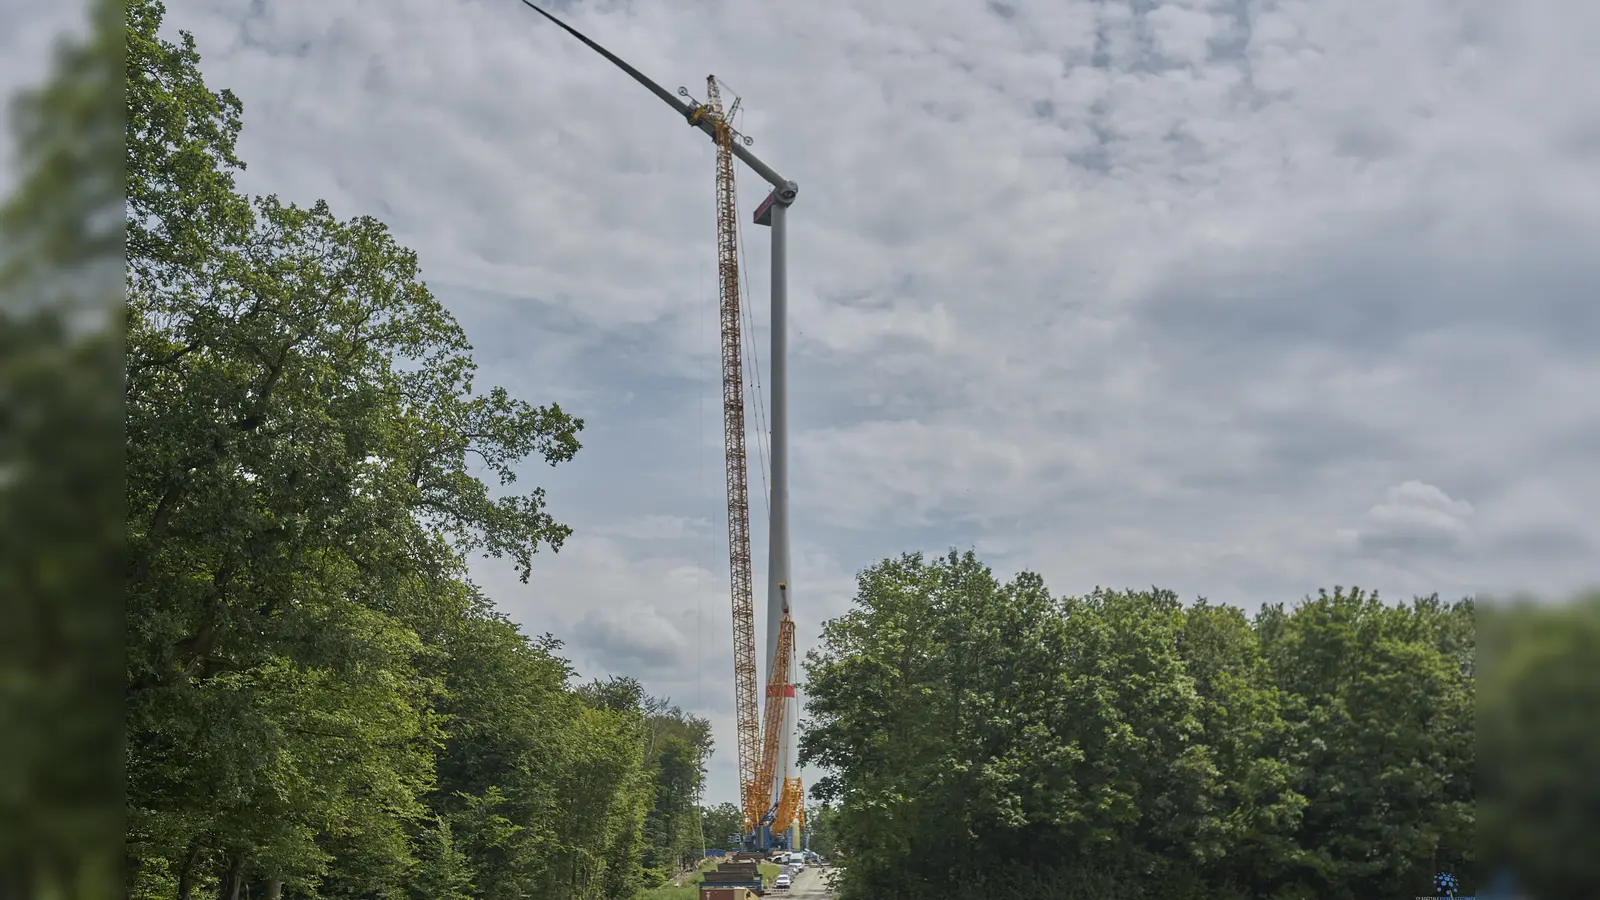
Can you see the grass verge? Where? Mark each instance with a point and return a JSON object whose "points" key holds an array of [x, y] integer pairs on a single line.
{"points": [[690, 889]]}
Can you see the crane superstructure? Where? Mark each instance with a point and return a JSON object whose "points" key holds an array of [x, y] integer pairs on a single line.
{"points": [[771, 801], [788, 804]]}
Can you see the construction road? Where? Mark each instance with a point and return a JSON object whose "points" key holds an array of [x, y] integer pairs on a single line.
{"points": [[810, 884]]}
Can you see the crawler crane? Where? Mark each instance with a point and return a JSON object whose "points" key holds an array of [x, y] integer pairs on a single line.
{"points": [[772, 803]]}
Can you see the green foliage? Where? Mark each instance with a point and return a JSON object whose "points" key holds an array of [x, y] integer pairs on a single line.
{"points": [[1540, 745], [1380, 719], [60, 475], [718, 822], [673, 892], [318, 703], [991, 736], [678, 747], [821, 829]]}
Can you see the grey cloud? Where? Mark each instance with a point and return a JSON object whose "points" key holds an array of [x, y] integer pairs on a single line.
{"points": [[1544, 544], [658, 528], [1370, 291], [1176, 298], [630, 640]]}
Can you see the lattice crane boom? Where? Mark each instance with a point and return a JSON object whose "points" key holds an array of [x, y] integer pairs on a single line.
{"points": [[790, 805], [772, 728], [753, 789]]}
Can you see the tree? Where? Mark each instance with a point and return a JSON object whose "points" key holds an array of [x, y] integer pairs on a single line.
{"points": [[678, 747], [986, 739], [1539, 745], [820, 829], [542, 786], [319, 703], [869, 685], [925, 709], [1381, 742], [60, 475], [1240, 719], [720, 822]]}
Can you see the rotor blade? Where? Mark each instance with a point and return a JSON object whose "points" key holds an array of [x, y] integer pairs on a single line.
{"points": [[683, 108]]}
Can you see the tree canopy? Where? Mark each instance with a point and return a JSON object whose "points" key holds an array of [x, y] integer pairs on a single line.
{"points": [[319, 702], [994, 737], [61, 475]]}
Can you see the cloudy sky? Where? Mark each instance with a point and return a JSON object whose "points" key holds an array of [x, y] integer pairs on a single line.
{"points": [[1237, 297]]}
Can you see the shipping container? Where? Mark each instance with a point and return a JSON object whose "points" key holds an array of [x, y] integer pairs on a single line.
{"points": [[715, 892]]}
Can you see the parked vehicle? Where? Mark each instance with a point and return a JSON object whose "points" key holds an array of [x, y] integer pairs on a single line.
{"points": [[781, 883]]}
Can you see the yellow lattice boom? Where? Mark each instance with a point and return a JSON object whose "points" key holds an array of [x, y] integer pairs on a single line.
{"points": [[744, 613], [791, 805], [772, 730]]}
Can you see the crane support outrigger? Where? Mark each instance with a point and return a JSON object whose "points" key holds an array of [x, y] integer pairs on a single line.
{"points": [[772, 802]]}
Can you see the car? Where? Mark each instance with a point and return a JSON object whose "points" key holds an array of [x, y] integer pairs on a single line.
{"points": [[781, 883]]}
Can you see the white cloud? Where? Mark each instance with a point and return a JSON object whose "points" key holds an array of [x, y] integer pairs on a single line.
{"points": [[1169, 292], [1415, 518]]}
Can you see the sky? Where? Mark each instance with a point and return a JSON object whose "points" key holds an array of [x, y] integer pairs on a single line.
{"points": [[1241, 298]]}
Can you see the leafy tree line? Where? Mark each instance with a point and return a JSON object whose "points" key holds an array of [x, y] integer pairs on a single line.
{"points": [[1539, 741], [61, 473], [990, 738], [720, 822], [318, 701], [821, 836]]}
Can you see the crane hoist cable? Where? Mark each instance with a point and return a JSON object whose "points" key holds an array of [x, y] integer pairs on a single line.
{"points": [[754, 366]]}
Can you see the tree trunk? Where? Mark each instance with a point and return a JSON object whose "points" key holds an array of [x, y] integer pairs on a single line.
{"points": [[275, 889], [234, 881], [186, 871]]}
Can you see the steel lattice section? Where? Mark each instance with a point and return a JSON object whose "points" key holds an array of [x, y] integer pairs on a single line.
{"points": [[744, 612]]}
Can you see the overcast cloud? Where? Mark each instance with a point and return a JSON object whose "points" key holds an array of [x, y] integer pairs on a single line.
{"points": [[1237, 297]]}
